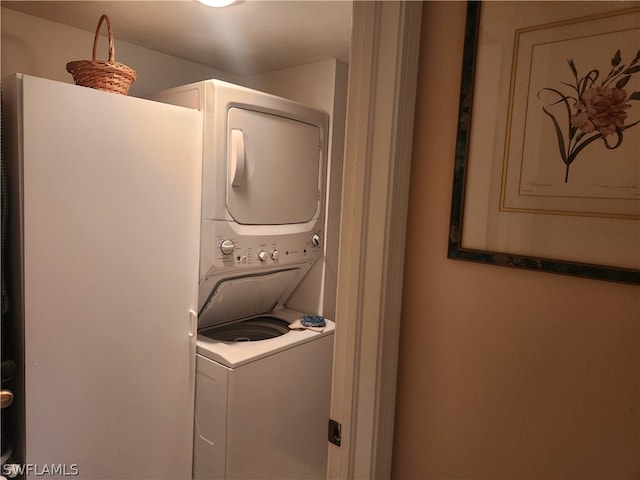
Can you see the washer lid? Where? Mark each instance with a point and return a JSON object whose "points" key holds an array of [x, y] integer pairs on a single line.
{"points": [[242, 297]]}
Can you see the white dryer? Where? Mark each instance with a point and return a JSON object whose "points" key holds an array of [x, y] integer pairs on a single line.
{"points": [[262, 390], [263, 178]]}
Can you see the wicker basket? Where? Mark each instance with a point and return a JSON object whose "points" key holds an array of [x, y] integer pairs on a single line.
{"points": [[110, 75]]}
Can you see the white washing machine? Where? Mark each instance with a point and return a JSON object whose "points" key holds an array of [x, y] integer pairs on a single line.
{"points": [[262, 390], [262, 406], [266, 418]]}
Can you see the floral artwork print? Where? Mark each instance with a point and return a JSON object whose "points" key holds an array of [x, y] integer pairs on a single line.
{"points": [[595, 109]]}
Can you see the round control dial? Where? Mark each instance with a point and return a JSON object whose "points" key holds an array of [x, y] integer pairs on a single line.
{"points": [[262, 256], [226, 247], [315, 239], [275, 254]]}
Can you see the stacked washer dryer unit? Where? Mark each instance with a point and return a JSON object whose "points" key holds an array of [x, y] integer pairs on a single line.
{"points": [[262, 390]]}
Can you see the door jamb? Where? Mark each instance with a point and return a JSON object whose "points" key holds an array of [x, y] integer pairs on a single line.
{"points": [[380, 109]]}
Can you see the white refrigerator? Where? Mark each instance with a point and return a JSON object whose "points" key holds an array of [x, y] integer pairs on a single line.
{"points": [[103, 262]]}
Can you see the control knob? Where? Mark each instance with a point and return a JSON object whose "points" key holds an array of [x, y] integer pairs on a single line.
{"points": [[226, 247], [262, 256], [315, 239], [275, 254]]}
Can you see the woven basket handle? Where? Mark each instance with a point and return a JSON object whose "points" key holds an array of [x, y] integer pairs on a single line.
{"points": [[112, 49]]}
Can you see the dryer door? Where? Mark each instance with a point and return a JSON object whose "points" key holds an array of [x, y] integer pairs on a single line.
{"points": [[273, 168]]}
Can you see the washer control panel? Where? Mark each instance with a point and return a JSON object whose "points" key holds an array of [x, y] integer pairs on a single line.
{"points": [[223, 248], [246, 251]]}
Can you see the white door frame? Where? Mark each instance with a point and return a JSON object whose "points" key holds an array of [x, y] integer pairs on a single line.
{"points": [[382, 85]]}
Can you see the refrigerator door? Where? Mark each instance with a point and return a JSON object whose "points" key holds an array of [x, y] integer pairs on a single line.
{"points": [[111, 213]]}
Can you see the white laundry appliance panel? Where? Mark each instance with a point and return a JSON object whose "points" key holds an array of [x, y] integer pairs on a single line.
{"points": [[264, 176], [266, 416], [247, 293], [273, 166], [285, 143], [234, 354], [105, 203], [258, 250]]}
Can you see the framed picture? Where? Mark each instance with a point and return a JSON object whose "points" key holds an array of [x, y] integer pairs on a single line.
{"points": [[547, 167]]}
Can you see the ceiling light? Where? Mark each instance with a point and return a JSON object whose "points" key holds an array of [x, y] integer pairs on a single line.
{"points": [[217, 3]]}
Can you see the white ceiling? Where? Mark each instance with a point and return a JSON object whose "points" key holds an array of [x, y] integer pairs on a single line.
{"points": [[252, 36]]}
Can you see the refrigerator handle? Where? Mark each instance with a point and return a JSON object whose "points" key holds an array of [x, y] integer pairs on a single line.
{"points": [[193, 318]]}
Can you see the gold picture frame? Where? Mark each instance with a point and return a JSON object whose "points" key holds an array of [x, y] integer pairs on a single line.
{"points": [[547, 168]]}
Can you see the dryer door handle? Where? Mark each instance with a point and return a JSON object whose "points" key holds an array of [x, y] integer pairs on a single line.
{"points": [[236, 157]]}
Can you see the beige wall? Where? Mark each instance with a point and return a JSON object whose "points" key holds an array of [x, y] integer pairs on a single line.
{"points": [[42, 48], [503, 373]]}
